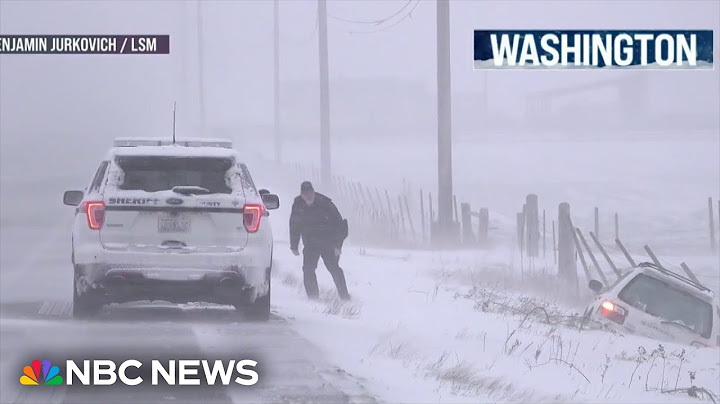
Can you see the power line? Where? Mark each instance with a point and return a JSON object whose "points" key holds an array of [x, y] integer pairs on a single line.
{"points": [[373, 22], [406, 16]]}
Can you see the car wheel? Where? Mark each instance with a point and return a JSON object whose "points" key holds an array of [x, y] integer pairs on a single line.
{"points": [[259, 310], [84, 304]]}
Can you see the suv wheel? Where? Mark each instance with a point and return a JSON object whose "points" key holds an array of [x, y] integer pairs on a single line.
{"points": [[259, 310], [84, 304]]}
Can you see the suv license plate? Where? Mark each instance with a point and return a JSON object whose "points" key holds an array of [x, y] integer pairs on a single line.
{"points": [[173, 226]]}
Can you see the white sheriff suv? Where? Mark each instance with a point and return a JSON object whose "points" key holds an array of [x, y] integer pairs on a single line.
{"points": [[172, 221], [658, 303]]}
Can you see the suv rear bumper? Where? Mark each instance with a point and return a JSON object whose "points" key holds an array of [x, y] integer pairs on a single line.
{"points": [[120, 284], [251, 262]]}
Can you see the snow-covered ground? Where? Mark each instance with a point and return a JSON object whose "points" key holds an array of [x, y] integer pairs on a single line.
{"points": [[466, 326], [430, 327]]}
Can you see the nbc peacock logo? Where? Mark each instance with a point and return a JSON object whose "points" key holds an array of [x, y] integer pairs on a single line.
{"points": [[50, 374]]}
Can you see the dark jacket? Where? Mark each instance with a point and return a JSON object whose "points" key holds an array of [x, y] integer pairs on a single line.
{"points": [[320, 225]]}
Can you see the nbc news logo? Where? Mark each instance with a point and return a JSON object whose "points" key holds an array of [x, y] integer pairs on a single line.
{"points": [[50, 374], [176, 372]]}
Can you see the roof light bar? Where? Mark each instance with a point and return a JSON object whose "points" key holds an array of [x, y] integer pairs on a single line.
{"points": [[188, 142]]}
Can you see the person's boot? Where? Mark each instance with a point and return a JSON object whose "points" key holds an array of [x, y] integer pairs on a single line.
{"points": [[339, 279], [311, 285]]}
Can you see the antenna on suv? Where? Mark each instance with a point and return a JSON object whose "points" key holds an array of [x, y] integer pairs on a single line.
{"points": [[174, 108]]}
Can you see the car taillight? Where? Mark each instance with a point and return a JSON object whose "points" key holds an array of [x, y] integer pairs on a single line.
{"points": [[95, 212], [252, 213], [612, 311]]}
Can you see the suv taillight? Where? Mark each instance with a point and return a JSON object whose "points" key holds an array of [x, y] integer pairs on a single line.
{"points": [[252, 213], [95, 212], [612, 311]]}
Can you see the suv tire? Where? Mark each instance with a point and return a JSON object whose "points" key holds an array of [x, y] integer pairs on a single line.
{"points": [[259, 310], [84, 304]]}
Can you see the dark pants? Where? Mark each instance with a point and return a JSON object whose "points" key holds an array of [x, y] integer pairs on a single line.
{"points": [[311, 256]]}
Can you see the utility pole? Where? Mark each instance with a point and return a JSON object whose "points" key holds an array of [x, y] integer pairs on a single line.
{"points": [[184, 94], [201, 67], [276, 78], [445, 186], [325, 170]]}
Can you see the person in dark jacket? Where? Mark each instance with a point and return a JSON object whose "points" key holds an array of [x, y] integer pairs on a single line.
{"points": [[316, 220]]}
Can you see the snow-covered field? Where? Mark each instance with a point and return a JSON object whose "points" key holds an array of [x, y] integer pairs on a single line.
{"points": [[430, 327], [467, 325]]}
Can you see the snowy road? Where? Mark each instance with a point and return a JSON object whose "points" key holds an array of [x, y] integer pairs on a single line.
{"points": [[35, 323]]}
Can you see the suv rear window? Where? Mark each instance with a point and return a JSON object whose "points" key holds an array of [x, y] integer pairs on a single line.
{"points": [[156, 173], [668, 303]]}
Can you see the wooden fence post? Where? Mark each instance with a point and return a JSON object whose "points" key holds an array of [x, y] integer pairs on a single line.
{"points": [[409, 218], [467, 231], [690, 273], [554, 245], [567, 266], [431, 211], [457, 231], [520, 222], [617, 226], [597, 221], [579, 250], [625, 252], [532, 225], [455, 208], [483, 231], [401, 215], [521, 240], [592, 256], [605, 254], [432, 217], [652, 256], [422, 216], [392, 217], [713, 246], [544, 235]]}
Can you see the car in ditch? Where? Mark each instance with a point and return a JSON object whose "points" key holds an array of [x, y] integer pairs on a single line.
{"points": [[655, 302]]}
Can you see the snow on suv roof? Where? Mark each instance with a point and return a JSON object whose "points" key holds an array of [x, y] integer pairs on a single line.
{"points": [[170, 151], [186, 147], [159, 141]]}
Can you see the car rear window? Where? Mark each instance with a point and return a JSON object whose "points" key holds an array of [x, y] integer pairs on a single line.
{"points": [[669, 303], [156, 173]]}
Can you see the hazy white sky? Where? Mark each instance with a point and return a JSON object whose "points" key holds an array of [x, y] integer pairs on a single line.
{"points": [[128, 93]]}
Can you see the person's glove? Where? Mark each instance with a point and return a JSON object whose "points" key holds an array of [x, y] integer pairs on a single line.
{"points": [[295, 252], [337, 252]]}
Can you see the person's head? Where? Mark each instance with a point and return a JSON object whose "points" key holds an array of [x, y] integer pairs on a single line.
{"points": [[307, 192]]}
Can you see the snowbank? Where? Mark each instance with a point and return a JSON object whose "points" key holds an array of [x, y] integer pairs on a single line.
{"points": [[431, 327]]}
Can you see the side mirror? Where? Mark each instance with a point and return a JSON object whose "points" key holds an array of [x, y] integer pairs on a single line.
{"points": [[263, 191], [73, 198], [595, 285], [271, 201]]}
